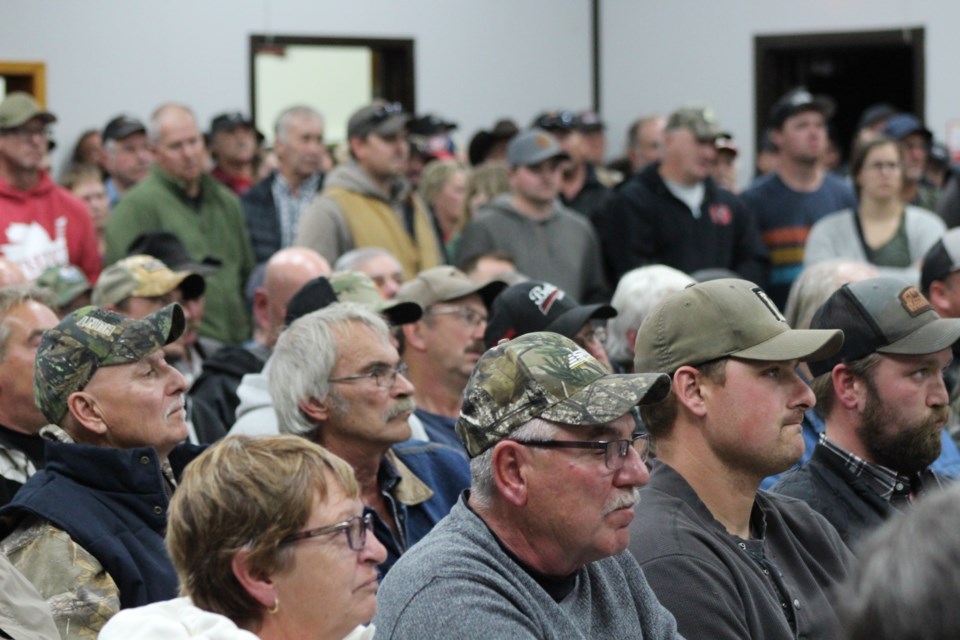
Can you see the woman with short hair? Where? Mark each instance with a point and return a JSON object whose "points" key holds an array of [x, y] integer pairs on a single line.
{"points": [[270, 540]]}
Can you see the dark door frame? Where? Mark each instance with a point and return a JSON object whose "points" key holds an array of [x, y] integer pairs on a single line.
{"points": [[765, 85], [388, 83]]}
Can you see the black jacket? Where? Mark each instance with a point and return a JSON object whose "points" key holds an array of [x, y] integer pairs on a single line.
{"points": [[643, 223], [213, 396], [841, 497]]}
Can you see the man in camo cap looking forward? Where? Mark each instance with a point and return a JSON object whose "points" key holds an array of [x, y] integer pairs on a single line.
{"points": [[87, 530], [535, 548]]}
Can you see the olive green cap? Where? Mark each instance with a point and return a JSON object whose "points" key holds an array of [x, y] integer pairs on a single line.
{"points": [[354, 286], [92, 337], [549, 376], [724, 318], [65, 282]]}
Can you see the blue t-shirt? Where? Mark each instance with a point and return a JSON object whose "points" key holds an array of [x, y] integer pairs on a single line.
{"points": [[440, 429], [785, 216]]}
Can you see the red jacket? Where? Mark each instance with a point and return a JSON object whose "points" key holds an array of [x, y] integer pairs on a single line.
{"points": [[47, 225]]}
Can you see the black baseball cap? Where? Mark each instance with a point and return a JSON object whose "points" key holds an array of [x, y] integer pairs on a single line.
{"points": [[882, 315], [797, 101], [533, 306], [941, 260], [121, 127], [168, 248], [556, 121]]}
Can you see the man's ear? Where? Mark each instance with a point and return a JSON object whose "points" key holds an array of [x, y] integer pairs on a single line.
{"points": [[413, 337], [939, 299], [509, 464], [688, 387], [260, 587], [86, 412], [317, 409], [849, 389]]}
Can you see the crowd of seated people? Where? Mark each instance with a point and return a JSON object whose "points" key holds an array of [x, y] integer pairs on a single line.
{"points": [[498, 391]]}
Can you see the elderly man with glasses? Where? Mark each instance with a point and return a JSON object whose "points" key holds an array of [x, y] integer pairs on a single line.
{"points": [[443, 346], [336, 378], [368, 201], [41, 224], [536, 547]]}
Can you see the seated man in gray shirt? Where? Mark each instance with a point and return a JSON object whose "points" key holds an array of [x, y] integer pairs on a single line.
{"points": [[536, 547]]}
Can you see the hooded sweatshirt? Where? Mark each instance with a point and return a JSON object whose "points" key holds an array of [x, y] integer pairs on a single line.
{"points": [[561, 249], [352, 212], [46, 226]]}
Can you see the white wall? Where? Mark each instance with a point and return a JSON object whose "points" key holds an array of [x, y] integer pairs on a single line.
{"points": [[476, 60], [658, 55]]}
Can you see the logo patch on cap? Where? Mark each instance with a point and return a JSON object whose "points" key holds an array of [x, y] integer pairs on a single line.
{"points": [[577, 358], [543, 296], [768, 303], [97, 326], [914, 302], [542, 141]]}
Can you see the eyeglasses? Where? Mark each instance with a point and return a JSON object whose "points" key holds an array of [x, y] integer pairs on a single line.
{"points": [[355, 527], [594, 334], [615, 451], [884, 166], [470, 317], [384, 377], [25, 133]]}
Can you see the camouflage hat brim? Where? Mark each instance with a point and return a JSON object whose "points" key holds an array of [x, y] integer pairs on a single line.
{"points": [[609, 398], [549, 376]]}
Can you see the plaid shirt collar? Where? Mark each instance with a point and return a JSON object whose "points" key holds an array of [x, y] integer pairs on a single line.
{"points": [[887, 483]]}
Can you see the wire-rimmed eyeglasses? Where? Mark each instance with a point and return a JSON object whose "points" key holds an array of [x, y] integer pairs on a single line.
{"points": [[355, 527], [615, 451]]}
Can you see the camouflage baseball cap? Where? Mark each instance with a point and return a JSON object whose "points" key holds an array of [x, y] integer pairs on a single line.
{"points": [[546, 375], [702, 121], [353, 286], [92, 337], [144, 277], [65, 282]]}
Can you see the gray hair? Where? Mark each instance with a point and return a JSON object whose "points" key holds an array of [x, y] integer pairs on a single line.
{"points": [[905, 587], [289, 114], [638, 292], [305, 356], [12, 297], [154, 124], [483, 489], [816, 283], [352, 260]]}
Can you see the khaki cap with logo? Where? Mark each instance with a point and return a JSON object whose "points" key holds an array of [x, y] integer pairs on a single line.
{"points": [[92, 337], [19, 108], [443, 284], [549, 376], [143, 277], [724, 318]]}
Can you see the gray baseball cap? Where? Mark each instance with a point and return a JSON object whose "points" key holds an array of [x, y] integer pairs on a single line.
{"points": [[533, 147], [882, 315], [724, 318]]}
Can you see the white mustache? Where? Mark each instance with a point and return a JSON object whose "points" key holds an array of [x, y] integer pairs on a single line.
{"points": [[624, 501], [405, 405]]}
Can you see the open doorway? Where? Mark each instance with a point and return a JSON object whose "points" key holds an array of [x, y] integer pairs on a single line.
{"points": [[856, 69]]}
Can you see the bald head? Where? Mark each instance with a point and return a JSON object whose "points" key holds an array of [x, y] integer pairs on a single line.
{"points": [[287, 271]]}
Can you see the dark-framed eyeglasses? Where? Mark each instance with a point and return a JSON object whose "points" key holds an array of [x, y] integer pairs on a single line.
{"points": [[384, 377], [471, 317], [26, 132], [355, 527], [615, 451]]}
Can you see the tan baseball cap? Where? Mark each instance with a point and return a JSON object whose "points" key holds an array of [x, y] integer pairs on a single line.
{"points": [[143, 277], [442, 284], [724, 318]]}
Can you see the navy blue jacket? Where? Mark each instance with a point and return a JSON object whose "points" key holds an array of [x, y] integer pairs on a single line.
{"points": [[113, 503], [442, 469]]}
